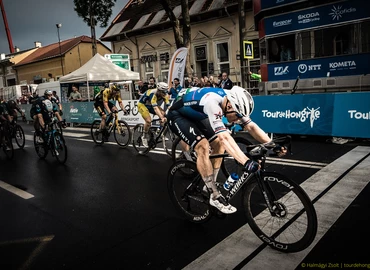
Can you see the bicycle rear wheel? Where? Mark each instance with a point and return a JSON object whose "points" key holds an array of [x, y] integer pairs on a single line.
{"points": [[40, 146], [60, 148], [186, 191], [122, 134], [19, 136], [292, 225], [137, 140], [96, 133]]}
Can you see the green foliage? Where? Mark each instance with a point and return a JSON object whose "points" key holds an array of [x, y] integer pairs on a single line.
{"points": [[94, 11]]}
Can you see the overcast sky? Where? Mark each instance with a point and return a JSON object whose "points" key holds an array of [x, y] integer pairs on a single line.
{"points": [[35, 20]]}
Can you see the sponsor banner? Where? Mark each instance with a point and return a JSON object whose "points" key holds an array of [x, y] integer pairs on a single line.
{"points": [[309, 114], [318, 16], [347, 65], [177, 66], [329, 114], [265, 4], [352, 115]]}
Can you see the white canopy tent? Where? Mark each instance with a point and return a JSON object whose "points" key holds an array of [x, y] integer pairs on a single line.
{"points": [[99, 68]]}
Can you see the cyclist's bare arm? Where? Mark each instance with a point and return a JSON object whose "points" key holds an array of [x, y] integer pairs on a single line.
{"points": [[257, 132], [231, 147], [106, 106], [261, 136], [160, 113]]}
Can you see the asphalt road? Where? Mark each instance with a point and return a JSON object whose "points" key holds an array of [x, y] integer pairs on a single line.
{"points": [[108, 208]]}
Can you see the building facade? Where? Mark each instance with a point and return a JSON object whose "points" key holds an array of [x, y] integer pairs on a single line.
{"points": [[143, 30]]}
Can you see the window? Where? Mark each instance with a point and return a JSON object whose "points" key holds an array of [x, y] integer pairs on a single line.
{"points": [[281, 48], [365, 37], [165, 65], [223, 57]]}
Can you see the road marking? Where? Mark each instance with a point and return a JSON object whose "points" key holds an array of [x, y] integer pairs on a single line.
{"points": [[238, 250], [159, 150], [42, 242], [21, 193]]}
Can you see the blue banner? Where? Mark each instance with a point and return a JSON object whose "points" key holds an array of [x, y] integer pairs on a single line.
{"points": [[329, 114], [295, 114], [318, 16], [352, 115], [347, 65], [265, 4]]}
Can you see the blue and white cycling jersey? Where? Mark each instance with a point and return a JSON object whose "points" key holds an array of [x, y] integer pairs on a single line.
{"points": [[202, 103]]}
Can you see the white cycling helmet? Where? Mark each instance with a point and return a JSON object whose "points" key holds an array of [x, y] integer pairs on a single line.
{"points": [[241, 101], [163, 87]]}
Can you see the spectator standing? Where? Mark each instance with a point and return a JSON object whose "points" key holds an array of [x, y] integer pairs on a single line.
{"points": [[255, 76], [175, 89], [75, 94], [226, 83], [141, 88], [152, 84]]}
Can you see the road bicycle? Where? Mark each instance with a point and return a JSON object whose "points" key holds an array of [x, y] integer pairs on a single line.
{"points": [[277, 209], [51, 140], [158, 134], [121, 130], [6, 141], [17, 133]]}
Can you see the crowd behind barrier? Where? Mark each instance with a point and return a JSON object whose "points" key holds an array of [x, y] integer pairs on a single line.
{"points": [[328, 114]]}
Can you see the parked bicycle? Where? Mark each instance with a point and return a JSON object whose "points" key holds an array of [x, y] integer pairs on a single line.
{"points": [[51, 140], [277, 209], [6, 141], [158, 134], [121, 130]]}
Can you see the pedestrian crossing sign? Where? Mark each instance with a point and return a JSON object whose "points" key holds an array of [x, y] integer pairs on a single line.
{"points": [[248, 50]]}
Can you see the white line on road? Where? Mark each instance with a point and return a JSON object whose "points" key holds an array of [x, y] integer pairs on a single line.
{"points": [[21, 193]]}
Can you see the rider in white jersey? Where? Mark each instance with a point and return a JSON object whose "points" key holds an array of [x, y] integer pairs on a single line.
{"points": [[197, 118]]}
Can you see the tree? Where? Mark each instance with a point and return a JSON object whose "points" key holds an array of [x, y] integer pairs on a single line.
{"points": [[92, 12], [184, 40]]}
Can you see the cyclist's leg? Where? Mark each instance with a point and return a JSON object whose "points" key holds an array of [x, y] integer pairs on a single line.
{"points": [[145, 114], [190, 132]]}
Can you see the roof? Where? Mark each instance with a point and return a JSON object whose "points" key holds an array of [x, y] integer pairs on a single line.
{"points": [[52, 50], [148, 13]]}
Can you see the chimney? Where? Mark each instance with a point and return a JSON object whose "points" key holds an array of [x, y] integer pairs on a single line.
{"points": [[38, 44], [16, 49], [2, 56]]}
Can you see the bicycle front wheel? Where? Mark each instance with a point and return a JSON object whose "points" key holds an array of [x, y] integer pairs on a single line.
{"points": [[292, 225], [187, 193], [122, 134], [19, 136], [60, 148], [168, 138], [137, 140], [96, 132]]}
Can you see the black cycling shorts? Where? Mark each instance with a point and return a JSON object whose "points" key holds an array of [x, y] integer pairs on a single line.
{"points": [[188, 130], [99, 106]]}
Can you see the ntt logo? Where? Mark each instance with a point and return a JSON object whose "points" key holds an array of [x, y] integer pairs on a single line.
{"points": [[282, 23]]}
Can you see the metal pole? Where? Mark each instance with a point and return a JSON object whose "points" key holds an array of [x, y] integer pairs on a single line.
{"points": [[59, 25], [241, 38], [7, 30]]}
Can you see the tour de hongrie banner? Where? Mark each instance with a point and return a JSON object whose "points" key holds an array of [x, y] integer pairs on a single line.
{"points": [[177, 66]]}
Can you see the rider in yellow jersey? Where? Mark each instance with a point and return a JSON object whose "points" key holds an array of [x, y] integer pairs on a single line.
{"points": [[148, 104], [104, 106]]}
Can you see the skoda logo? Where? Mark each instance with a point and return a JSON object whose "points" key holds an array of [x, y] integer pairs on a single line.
{"points": [[302, 68]]}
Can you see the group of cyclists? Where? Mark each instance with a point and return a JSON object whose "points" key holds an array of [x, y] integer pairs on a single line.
{"points": [[194, 114]]}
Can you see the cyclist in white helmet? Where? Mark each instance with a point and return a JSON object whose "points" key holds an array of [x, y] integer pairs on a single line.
{"points": [[197, 119], [149, 104]]}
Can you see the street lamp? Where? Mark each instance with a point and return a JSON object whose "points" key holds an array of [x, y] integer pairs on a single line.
{"points": [[59, 25]]}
